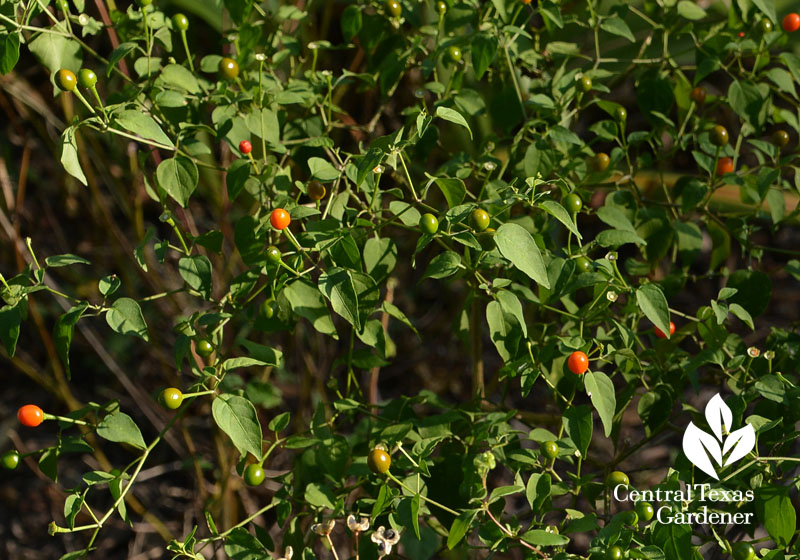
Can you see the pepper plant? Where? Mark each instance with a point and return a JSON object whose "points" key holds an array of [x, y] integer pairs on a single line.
{"points": [[410, 278]]}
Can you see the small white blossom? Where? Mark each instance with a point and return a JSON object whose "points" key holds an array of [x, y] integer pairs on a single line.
{"points": [[611, 295], [753, 352], [769, 355], [287, 554], [489, 166], [261, 57], [323, 528], [385, 539], [378, 169], [357, 526]]}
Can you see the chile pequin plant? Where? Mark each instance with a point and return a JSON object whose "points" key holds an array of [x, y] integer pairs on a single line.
{"points": [[412, 279]]}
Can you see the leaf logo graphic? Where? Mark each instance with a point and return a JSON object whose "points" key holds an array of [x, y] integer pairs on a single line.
{"points": [[701, 447]]}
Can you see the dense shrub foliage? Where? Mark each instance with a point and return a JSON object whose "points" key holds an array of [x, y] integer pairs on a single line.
{"points": [[418, 279]]}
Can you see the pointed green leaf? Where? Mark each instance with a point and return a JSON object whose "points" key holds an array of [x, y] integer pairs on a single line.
{"points": [[517, 245]]}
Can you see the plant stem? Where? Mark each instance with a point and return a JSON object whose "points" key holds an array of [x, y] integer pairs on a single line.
{"points": [[186, 48], [476, 338], [421, 497]]}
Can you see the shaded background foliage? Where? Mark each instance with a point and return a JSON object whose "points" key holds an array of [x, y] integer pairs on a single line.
{"points": [[194, 469]]}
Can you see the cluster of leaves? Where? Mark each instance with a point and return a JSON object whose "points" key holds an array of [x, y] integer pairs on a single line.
{"points": [[491, 145]]}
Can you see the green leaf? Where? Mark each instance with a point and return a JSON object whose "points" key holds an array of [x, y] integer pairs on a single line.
{"points": [[690, 10], [264, 123], [500, 331], [178, 176], [367, 163], [537, 491], [179, 77], [721, 243], [196, 271], [503, 491], [675, 540], [578, 424], [653, 303], [540, 537], [617, 26], [517, 245], [749, 101], [322, 170], [10, 320], [241, 545], [460, 527], [72, 507], [742, 314], [320, 496], [65, 260], [380, 257], [237, 177], [771, 387], [443, 265], [767, 8], [351, 21], [55, 51], [279, 423], [337, 285], [144, 126], [237, 417], [120, 428], [69, 155], [415, 515], [125, 317], [306, 301], [63, 331], [393, 311], [777, 205], [118, 54], [512, 306], [484, 50], [264, 354], [615, 217], [9, 52], [782, 79], [242, 362], [601, 391], [564, 136], [617, 237], [453, 116], [654, 408], [453, 190], [560, 213]]}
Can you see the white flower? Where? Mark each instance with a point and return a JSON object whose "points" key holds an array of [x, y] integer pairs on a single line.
{"points": [[611, 295], [378, 169], [753, 352], [287, 554], [357, 526], [385, 539], [323, 528]]}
